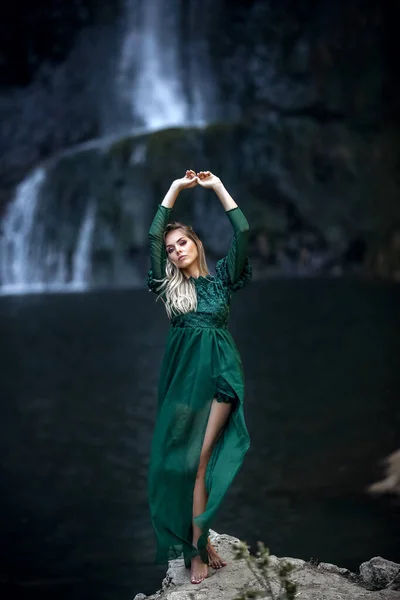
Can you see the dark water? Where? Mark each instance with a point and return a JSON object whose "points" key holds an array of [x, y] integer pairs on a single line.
{"points": [[78, 394]]}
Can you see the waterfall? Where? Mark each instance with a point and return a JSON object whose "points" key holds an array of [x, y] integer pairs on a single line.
{"points": [[19, 249], [82, 257], [162, 79], [33, 259]]}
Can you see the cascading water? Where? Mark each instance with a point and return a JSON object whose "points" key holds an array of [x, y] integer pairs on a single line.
{"points": [[162, 80], [18, 245], [82, 260], [32, 259]]}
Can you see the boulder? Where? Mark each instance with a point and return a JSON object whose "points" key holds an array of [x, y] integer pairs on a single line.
{"points": [[379, 573]]}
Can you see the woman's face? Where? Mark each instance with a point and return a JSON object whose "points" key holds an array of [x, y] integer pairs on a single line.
{"points": [[181, 250]]}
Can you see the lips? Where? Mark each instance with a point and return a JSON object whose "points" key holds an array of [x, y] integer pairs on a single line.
{"points": [[181, 257]]}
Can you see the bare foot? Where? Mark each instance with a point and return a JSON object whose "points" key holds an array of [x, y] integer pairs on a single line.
{"points": [[198, 570], [215, 561]]}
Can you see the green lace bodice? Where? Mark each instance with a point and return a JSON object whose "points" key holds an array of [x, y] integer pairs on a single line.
{"points": [[214, 292]]}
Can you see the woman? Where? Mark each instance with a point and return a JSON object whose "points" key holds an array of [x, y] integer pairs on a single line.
{"points": [[200, 436]]}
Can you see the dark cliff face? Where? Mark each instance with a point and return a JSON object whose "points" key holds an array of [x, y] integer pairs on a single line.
{"points": [[47, 51], [329, 61], [311, 88], [44, 31]]}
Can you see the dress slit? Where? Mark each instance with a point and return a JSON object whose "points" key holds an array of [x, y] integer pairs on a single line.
{"points": [[224, 392], [202, 542]]}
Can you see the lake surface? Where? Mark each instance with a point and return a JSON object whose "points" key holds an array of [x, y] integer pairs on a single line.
{"points": [[77, 409]]}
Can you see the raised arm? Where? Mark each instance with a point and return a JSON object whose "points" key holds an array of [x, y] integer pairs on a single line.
{"points": [[156, 241], [160, 221], [237, 254]]}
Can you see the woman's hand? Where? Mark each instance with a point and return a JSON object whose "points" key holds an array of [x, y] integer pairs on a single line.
{"points": [[207, 180], [189, 181]]}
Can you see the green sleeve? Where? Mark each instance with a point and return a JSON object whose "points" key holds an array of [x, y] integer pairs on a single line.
{"points": [[156, 241], [235, 270], [237, 253]]}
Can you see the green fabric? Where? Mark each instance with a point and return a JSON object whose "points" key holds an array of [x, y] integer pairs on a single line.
{"points": [[201, 361]]}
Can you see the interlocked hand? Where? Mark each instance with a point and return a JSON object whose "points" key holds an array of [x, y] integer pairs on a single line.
{"points": [[190, 180], [204, 178], [207, 180]]}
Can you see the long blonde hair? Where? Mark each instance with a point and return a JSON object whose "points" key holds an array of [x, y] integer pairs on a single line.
{"points": [[176, 290]]}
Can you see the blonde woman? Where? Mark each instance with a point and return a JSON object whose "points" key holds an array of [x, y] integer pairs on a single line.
{"points": [[200, 436]]}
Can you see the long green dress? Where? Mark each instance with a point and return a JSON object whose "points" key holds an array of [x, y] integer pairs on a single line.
{"points": [[201, 362]]}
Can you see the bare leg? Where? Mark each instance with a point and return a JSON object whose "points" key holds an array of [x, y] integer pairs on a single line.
{"points": [[218, 417]]}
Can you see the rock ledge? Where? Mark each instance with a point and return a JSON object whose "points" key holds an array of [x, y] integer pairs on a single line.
{"points": [[314, 582]]}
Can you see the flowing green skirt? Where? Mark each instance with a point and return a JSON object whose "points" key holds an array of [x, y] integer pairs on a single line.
{"points": [[198, 363]]}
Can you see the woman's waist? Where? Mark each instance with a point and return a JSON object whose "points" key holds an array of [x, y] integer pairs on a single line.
{"points": [[204, 320]]}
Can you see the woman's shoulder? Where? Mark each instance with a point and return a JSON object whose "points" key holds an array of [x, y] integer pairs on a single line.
{"points": [[222, 274]]}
